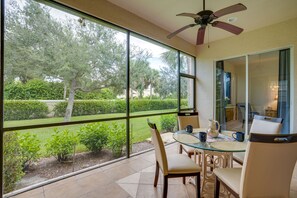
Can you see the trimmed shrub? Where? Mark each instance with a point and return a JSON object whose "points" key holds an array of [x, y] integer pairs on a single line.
{"points": [[30, 147], [168, 122], [12, 168], [61, 145], [94, 136], [87, 107], [35, 89], [24, 110], [93, 107], [117, 139]]}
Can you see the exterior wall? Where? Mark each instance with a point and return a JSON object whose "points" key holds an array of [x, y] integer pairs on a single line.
{"points": [[282, 35], [107, 11]]}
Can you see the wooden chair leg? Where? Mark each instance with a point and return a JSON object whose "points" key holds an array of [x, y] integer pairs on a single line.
{"points": [[198, 185], [165, 187], [180, 149], [184, 180], [217, 188], [156, 174]]}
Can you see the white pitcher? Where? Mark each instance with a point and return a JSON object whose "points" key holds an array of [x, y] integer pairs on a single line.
{"points": [[213, 128]]}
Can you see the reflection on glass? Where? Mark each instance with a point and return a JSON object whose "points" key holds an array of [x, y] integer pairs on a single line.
{"points": [[69, 66], [187, 93], [48, 153], [187, 64], [230, 94], [269, 75], [140, 133], [153, 77]]}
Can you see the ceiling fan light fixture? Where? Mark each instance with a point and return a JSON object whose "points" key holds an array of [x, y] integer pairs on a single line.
{"points": [[232, 19]]}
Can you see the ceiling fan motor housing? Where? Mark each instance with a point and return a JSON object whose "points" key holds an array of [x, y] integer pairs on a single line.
{"points": [[205, 17]]}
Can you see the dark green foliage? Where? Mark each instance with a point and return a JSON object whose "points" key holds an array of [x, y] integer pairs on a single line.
{"points": [[93, 107], [30, 147], [168, 122], [35, 89], [12, 169], [61, 145], [117, 138], [24, 110], [94, 136]]}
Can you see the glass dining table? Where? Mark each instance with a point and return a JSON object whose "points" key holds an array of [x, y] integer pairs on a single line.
{"points": [[216, 152]]}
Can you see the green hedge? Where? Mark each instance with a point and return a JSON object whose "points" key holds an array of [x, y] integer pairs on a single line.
{"points": [[93, 107], [34, 90], [24, 110], [29, 109]]}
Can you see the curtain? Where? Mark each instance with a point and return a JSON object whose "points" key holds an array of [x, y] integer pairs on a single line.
{"points": [[220, 98], [283, 103]]}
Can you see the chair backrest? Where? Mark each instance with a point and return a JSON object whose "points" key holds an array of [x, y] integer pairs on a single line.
{"points": [[268, 165], [159, 147], [185, 119], [241, 111], [267, 118], [266, 125]]}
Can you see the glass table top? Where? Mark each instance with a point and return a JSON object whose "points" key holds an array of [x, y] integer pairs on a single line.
{"points": [[223, 143]]}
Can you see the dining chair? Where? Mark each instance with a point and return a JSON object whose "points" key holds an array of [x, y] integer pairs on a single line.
{"points": [[267, 169], [241, 111], [185, 119], [174, 165], [263, 125]]}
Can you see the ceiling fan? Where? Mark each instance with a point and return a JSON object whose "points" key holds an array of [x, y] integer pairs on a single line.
{"points": [[205, 17]]}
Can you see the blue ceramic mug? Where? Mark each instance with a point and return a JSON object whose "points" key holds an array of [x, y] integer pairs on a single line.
{"points": [[189, 128], [238, 136]]}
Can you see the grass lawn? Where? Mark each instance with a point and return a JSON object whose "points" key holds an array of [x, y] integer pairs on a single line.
{"points": [[139, 130]]}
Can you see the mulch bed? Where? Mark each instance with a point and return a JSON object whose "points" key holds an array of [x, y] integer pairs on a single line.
{"points": [[48, 168]]}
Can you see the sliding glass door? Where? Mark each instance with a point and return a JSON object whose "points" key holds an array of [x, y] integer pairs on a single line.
{"points": [[231, 92], [265, 82]]}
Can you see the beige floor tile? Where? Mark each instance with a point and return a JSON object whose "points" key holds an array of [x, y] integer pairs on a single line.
{"points": [[131, 179], [109, 191], [119, 172], [131, 189], [36, 193], [177, 191], [150, 169], [149, 191], [149, 157], [65, 190], [92, 182], [139, 164]]}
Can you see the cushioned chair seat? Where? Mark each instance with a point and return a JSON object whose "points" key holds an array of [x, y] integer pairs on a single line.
{"points": [[230, 176], [180, 164]]}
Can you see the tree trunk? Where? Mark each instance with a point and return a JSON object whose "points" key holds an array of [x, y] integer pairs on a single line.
{"points": [[65, 91], [69, 108], [151, 91]]}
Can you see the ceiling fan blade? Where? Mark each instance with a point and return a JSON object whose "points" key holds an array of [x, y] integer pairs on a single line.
{"points": [[228, 10], [200, 36], [228, 27], [194, 16], [179, 30]]}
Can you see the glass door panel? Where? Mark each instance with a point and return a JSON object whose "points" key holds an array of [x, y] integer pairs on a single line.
{"points": [[231, 93]]}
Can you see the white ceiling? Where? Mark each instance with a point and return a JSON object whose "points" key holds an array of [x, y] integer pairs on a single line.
{"points": [[259, 13]]}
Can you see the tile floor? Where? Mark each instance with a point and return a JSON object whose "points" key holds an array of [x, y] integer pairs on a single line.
{"points": [[129, 178]]}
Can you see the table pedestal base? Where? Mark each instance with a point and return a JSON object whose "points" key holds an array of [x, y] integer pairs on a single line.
{"points": [[210, 161]]}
